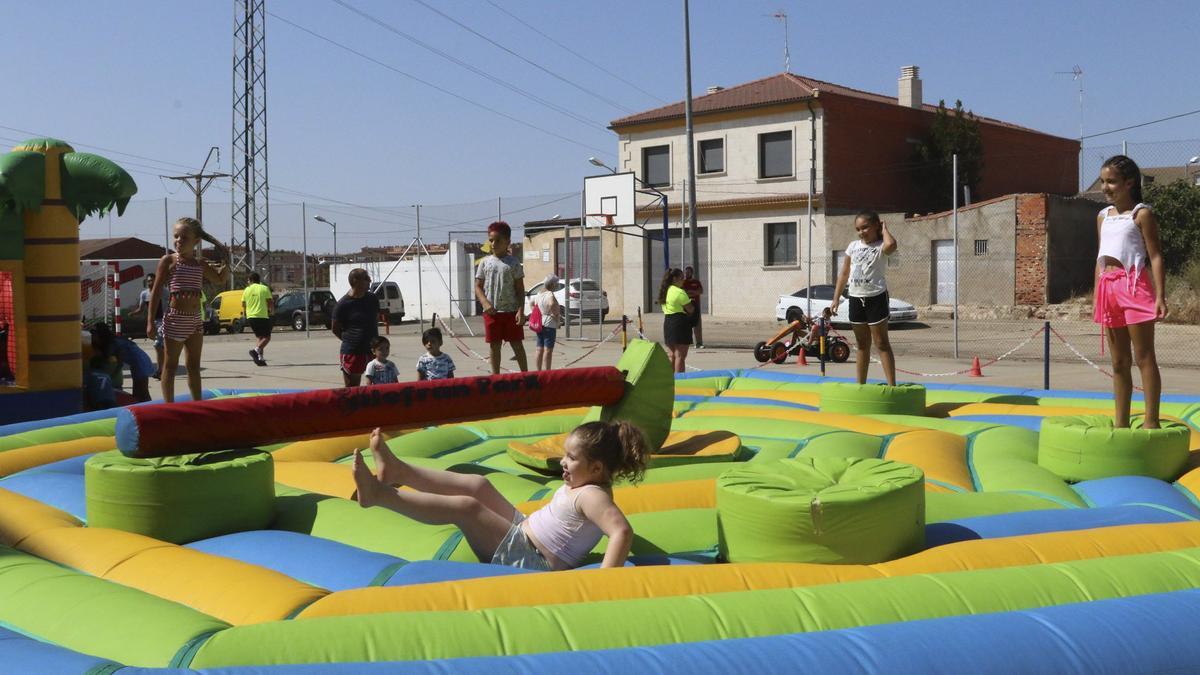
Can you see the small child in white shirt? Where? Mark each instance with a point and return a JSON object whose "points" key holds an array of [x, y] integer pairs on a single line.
{"points": [[434, 364], [380, 370]]}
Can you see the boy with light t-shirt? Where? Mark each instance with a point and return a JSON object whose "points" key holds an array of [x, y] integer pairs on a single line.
{"points": [[500, 288]]}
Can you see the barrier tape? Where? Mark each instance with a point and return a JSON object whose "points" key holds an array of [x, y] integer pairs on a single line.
{"points": [[1083, 358], [587, 352], [471, 353], [964, 371], [464, 347]]}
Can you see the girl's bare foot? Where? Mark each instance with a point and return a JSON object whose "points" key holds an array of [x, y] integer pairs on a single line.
{"points": [[388, 468], [368, 487]]}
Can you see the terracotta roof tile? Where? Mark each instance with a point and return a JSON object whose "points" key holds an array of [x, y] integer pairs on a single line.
{"points": [[772, 90]]}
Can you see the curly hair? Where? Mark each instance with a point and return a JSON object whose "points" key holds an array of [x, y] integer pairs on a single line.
{"points": [[619, 446]]}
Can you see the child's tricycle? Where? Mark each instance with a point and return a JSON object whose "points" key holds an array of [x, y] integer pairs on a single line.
{"points": [[793, 338]]}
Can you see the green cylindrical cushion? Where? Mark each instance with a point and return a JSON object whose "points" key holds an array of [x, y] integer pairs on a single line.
{"points": [[1083, 447], [873, 399], [820, 510], [183, 498]]}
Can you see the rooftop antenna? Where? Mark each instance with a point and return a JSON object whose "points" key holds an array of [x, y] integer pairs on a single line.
{"points": [[787, 56], [1076, 74]]}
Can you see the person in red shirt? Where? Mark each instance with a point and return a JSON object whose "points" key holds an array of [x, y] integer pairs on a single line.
{"points": [[694, 289]]}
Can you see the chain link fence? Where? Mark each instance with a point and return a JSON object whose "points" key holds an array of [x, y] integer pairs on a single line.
{"points": [[1020, 261]]}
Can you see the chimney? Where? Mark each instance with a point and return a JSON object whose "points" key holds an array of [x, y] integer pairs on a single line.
{"points": [[714, 88], [910, 87]]}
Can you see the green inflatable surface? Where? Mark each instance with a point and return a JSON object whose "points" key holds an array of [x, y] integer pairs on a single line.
{"points": [[183, 498], [820, 510], [1084, 447], [873, 399], [649, 392]]}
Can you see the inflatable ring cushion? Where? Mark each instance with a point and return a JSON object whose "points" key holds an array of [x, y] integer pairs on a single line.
{"points": [[680, 447], [873, 399], [649, 398], [1084, 447], [820, 510], [183, 498]]}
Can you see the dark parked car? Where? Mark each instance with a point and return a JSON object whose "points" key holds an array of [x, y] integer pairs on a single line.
{"points": [[289, 308]]}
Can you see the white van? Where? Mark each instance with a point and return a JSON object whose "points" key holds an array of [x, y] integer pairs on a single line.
{"points": [[391, 300]]}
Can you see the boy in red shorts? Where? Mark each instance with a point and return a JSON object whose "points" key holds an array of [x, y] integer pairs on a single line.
{"points": [[500, 289]]}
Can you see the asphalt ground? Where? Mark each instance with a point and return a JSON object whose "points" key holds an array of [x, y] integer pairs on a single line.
{"points": [[309, 360]]}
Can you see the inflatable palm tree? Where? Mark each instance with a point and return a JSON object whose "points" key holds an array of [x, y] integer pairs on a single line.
{"points": [[46, 188]]}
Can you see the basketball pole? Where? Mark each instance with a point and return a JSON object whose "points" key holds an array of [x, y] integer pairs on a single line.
{"points": [[691, 150]]}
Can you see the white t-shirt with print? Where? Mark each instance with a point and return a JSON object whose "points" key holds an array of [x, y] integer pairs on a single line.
{"points": [[382, 372], [867, 266]]}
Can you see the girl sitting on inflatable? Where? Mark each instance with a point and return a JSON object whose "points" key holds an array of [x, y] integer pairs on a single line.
{"points": [[557, 536]]}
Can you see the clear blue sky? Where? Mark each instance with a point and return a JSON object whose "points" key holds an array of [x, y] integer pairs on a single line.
{"points": [[152, 78]]}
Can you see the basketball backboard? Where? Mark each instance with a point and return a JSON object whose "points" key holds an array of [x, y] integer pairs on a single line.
{"points": [[609, 197]]}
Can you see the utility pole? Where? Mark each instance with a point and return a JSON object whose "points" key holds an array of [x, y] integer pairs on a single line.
{"points": [[200, 181], [691, 144]]}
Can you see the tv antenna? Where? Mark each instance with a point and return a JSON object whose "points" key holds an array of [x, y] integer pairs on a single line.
{"points": [[1076, 74], [787, 56]]}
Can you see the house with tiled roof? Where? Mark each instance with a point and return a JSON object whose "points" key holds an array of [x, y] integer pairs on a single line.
{"points": [[766, 150]]}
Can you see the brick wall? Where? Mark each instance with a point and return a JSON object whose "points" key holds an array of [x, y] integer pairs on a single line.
{"points": [[869, 150], [1031, 243]]}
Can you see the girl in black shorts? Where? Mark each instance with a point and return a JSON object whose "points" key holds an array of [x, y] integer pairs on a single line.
{"points": [[862, 277]]}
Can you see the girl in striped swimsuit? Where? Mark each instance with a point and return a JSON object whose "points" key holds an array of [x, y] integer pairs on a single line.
{"points": [[184, 272]]}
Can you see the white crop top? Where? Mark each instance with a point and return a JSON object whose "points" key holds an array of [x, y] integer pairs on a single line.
{"points": [[1121, 239], [561, 527]]}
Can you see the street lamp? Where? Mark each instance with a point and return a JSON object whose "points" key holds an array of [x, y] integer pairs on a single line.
{"points": [[1186, 171], [321, 219], [595, 162]]}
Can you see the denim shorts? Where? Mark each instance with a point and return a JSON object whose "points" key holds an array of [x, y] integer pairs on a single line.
{"points": [[546, 337], [515, 550]]}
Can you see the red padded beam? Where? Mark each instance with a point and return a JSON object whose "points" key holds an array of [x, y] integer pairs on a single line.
{"points": [[220, 424]]}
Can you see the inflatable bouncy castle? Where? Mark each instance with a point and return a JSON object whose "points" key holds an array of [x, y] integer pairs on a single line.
{"points": [[46, 188], [786, 523]]}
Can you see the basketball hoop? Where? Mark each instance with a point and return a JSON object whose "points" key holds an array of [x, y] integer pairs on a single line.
{"points": [[608, 218]]}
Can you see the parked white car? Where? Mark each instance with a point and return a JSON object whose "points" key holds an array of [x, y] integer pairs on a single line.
{"points": [[792, 307], [581, 298]]}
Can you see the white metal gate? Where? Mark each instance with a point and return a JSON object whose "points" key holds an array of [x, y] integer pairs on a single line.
{"points": [[943, 271]]}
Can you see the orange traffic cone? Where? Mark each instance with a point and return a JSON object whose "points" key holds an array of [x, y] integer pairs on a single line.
{"points": [[803, 360], [976, 370]]}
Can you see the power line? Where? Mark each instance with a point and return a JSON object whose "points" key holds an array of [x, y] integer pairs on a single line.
{"points": [[539, 66], [490, 109], [103, 149], [478, 71], [1143, 124], [575, 53]]}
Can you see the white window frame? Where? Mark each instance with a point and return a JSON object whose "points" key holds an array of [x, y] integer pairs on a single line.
{"points": [[758, 156], [724, 157], [642, 175], [766, 240]]}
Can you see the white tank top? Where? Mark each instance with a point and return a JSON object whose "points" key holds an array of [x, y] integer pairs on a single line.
{"points": [[1121, 239], [561, 527], [545, 301]]}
